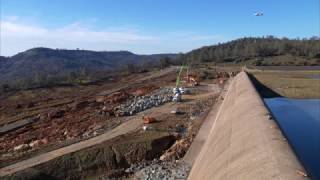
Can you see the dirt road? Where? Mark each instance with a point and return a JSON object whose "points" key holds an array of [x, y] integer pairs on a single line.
{"points": [[130, 125], [152, 76]]}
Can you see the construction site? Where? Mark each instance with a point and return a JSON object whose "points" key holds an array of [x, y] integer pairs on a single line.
{"points": [[121, 128]]}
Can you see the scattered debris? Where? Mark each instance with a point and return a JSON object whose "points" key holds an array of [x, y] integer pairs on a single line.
{"points": [[301, 173], [56, 114], [116, 97], [15, 125], [100, 99], [269, 116], [67, 119], [37, 143], [30, 105], [176, 111], [192, 79], [173, 112], [18, 106], [21, 147], [148, 120], [177, 95], [225, 75], [144, 127], [141, 91], [177, 150], [79, 105]]}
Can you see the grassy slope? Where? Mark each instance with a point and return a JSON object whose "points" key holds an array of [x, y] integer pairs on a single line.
{"points": [[283, 60], [292, 84]]}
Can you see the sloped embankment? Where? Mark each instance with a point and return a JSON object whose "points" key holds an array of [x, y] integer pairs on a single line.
{"points": [[245, 142], [110, 158]]}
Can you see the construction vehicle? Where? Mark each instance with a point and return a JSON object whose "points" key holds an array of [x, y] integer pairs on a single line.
{"points": [[190, 79]]}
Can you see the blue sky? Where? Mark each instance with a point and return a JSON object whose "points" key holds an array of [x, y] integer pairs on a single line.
{"points": [[149, 26]]}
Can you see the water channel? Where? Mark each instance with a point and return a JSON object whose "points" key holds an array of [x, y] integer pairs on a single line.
{"points": [[299, 120]]}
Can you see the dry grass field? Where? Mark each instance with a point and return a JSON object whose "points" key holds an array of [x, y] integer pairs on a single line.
{"points": [[293, 84]]}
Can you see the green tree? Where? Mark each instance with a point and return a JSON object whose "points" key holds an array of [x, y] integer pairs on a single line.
{"points": [[165, 62]]}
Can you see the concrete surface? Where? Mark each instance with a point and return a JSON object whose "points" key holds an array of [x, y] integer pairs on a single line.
{"points": [[244, 143], [205, 129]]}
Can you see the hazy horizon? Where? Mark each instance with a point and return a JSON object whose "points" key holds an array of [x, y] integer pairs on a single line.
{"points": [[53, 48]]}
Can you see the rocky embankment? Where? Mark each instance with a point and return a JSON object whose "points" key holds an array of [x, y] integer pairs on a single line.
{"points": [[141, 103], [160, 170]]}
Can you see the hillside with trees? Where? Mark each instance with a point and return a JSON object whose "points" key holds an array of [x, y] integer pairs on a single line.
{"points": [[40, 67], [261, 51]]}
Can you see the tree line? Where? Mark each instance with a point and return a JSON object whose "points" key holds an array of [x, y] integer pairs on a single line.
{"points": [[82, 76], [234, 51], [249, 47]]}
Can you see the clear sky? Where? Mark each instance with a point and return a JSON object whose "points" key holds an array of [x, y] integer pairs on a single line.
{"points": [[149, 26]]}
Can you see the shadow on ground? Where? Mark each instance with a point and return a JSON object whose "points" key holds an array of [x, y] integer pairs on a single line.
{"points": [[264, 91]]}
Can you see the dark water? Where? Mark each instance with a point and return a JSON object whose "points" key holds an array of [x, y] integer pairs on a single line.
{"points": [[300, 122]]}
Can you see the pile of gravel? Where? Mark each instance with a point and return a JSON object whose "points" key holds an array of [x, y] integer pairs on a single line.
{"points": [[160, 170], [141, 103], [157, 169]]}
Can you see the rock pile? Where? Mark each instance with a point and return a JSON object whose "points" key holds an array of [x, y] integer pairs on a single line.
{"points": [[176, 95], [177, 151], [159, 170], [141, 103], [32, 144]]}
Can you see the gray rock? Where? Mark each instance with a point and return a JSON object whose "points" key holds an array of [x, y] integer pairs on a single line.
{"points": [[142, 103]]}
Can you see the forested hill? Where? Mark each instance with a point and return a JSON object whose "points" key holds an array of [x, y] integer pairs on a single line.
{"points": [[288, 51], [57, 64], [39, 67]]}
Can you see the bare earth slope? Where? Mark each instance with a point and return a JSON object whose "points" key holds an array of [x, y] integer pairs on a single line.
{"points": [[122, 129]]}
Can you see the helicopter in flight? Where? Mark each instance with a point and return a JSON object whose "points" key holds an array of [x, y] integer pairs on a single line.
{"points": [[258, 14]]}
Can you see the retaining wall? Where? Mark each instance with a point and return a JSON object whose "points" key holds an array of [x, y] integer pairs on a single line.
{"points": [[245, 142]]}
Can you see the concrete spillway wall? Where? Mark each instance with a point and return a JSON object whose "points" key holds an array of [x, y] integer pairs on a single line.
{"points": [[245, 142]]}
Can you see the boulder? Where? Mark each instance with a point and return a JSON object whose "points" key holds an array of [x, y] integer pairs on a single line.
{"points": [[100, 99], [148, 120], [35, 143], [21, 147]]}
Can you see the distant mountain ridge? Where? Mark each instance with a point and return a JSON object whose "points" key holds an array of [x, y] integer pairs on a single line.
{"points": [[61, 61], [53, 66]]}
